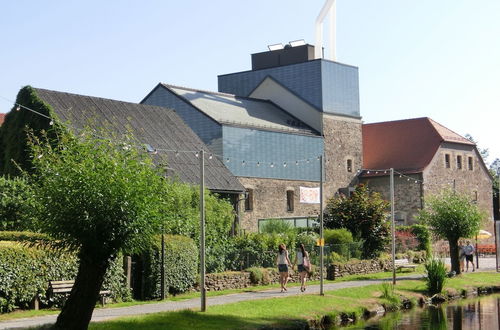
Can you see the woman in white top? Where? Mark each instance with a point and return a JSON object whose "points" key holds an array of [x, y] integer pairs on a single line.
{"points": [[300, 257], [283, 261]]}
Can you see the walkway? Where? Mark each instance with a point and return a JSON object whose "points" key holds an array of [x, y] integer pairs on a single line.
{"points": [[103, 314]]}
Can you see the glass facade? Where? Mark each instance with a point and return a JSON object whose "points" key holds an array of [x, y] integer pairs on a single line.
{"points": [[265, 154], [329, 86]]}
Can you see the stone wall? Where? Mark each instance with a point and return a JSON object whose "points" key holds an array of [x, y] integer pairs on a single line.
{"points": [[407, 194], [269, 201], [358, 267], [241, 280], [475, 183], [343, 141]]}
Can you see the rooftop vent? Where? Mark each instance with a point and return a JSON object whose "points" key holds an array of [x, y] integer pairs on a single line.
{"points": [[296, 51]]}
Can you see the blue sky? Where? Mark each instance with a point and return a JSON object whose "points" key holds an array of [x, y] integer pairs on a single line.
{"points": [[434, 58]]}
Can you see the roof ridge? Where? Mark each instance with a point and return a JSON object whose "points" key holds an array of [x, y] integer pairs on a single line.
{"points": [[433, 122], [93, 97]]}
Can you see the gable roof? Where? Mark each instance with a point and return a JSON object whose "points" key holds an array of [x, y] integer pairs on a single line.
{"points": [[2, 118], [159, 127], [406, 145], [232, 110]]}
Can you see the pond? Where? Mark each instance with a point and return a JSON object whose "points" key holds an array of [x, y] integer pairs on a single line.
{"points": [[478, 313]]}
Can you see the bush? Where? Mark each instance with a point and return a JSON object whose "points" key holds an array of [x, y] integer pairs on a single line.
{"points": [[259, 250], [181, 266], [436, 275], [256, 275], [337, 236], [276, 226], [22, 236], [418, 238], [423, 235], [25, 273]]}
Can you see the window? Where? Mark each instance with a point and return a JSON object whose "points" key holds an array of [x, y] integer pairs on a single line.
{"points": [[289, 200], [349, 165], [249, 200], [459, 162], [471, 164], [447, 160]]}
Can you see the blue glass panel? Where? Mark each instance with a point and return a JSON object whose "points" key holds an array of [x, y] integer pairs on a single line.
{"points": [[304, 79], [255, 153], [340, 89]]}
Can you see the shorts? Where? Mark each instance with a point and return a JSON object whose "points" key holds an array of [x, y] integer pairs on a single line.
{"points": [[301, 268], [283, 268], [469, 257]]}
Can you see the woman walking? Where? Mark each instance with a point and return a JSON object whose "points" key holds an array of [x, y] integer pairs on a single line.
{"points": [[303, 265], [283, 262]]}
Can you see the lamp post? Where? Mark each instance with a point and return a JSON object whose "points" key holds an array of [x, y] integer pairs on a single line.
{"points": [[321, 238], [393, 235], [202, 232]]}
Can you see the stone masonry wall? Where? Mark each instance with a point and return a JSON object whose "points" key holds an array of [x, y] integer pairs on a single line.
{"points": [[407, 194], [269, 201], [241, 280], [475, 183], [343, 141]]}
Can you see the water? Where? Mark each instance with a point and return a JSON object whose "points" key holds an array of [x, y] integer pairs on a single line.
{"points": [[479, 313]]}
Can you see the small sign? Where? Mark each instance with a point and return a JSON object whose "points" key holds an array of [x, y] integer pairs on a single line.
{"points": [[320, 242]]}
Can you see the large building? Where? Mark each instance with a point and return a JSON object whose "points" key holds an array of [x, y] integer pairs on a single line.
{"points": [[428, 158], [271, 124]]}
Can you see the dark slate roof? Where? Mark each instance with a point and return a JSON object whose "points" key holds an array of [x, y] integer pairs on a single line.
{"points": [[405, 145], [159, 127]]}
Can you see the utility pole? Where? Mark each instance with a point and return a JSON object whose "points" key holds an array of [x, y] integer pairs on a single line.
{"points": [[202, 232], [321, 237], [393, 229]]}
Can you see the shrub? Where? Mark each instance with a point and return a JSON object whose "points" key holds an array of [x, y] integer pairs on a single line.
{"points": [[436, 275], [16, 204], [276, 226], [423, 235], [25, 273], [258, 250], [181, 266], [337, 258], [22, 236], [337, 236], [256, 275]]}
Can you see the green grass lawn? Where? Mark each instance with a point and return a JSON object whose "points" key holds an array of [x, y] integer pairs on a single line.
{"points": [[285, 312]]}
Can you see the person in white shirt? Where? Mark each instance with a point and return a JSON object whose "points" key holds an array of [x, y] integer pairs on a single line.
{"points": [[303, 266], [283, 262], [469, 256]]}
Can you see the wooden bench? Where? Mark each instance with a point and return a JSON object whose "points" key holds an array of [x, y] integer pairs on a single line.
{"points": [[65, 287], [403, 263]]}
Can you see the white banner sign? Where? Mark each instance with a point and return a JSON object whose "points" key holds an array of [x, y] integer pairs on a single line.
{"points": [[309, 195]]}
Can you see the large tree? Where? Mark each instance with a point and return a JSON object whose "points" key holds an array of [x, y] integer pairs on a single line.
{"points": [[452, 216], [97, 198], [364, 214]]}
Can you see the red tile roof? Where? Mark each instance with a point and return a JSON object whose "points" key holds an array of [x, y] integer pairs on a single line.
{"points": [[405, 145], [2, 118]]}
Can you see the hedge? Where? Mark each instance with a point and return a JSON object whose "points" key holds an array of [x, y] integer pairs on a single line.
{"points": [[25, 273], [181, 266], [422, 234], [22, 236]]}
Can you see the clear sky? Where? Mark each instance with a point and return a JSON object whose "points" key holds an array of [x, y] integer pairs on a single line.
{"points": [[432, 58]]}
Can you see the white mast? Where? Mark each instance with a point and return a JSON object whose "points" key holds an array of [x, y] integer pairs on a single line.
{"points": [[328, 8]]}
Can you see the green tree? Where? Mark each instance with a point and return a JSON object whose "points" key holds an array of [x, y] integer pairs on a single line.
{"points": [[99, 199], [452, 216], [16, 205], [364, 215]]}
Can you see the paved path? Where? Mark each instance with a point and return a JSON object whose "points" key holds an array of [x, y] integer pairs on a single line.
{"points": [[103, 314]]}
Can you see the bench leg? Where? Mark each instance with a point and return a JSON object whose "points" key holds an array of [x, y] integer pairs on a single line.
{"points": [[103, 300]]}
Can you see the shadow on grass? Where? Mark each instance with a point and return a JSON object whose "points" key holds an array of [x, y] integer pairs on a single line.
{"points": [[196, 320]]}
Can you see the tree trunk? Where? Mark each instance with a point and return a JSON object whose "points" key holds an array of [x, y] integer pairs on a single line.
{"points": [[77, 311], [454, 256]]}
